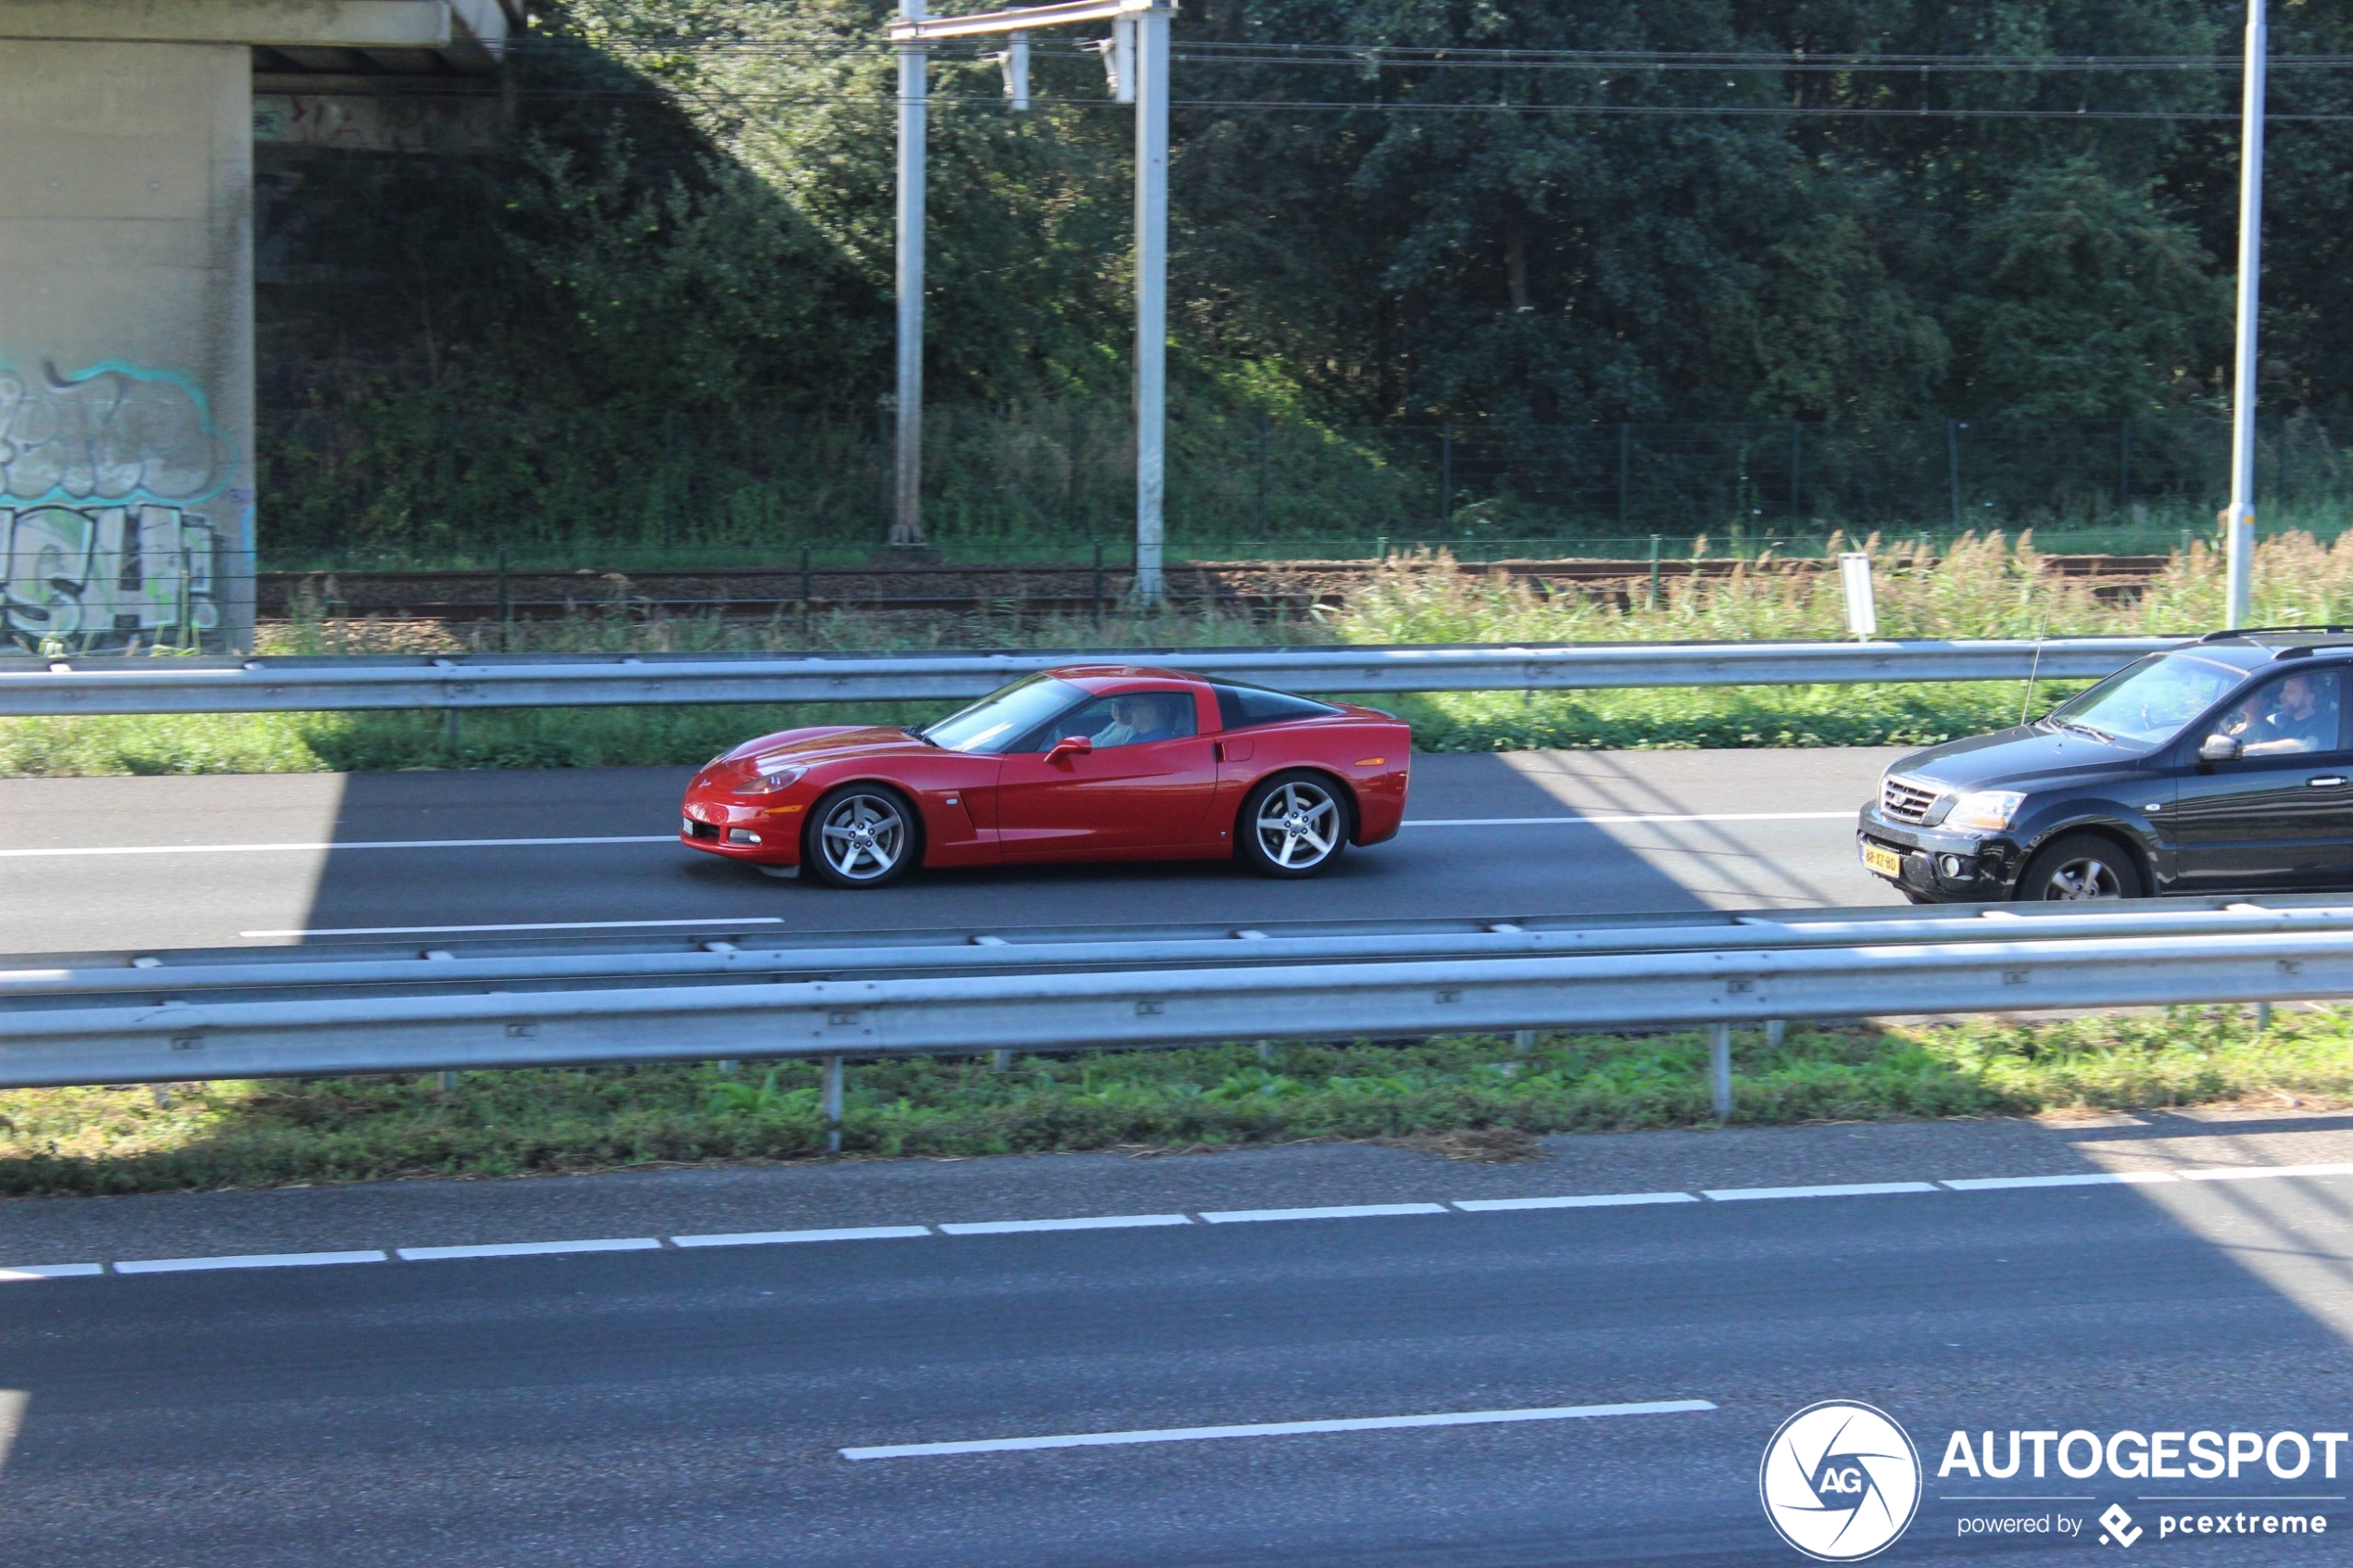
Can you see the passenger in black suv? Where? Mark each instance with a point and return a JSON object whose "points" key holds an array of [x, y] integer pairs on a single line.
{"points": [[2222, 766]]}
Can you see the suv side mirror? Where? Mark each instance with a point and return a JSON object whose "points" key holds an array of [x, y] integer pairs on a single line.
{"points": [[1068, 748], [2218, 748]]}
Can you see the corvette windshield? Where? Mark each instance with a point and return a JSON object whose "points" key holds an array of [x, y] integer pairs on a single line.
{"points": [[1002, 718], [2150, 702]]}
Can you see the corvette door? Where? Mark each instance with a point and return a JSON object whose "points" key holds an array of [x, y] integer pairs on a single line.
{"points": [[1146, 784]]}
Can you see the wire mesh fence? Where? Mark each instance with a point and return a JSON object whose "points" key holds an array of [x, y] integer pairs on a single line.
{"points": [[1055, 483]]}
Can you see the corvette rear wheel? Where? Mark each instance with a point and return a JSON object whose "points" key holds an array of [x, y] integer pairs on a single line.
{"points": [[1293, 824], [861, 835]]}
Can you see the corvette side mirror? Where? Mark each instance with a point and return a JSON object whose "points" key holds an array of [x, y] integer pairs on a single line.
{"points": [[2218, 748], [1068, 748]]}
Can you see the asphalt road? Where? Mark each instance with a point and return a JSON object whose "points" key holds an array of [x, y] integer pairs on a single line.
{"points": [[107, 864], [690, 1407]]}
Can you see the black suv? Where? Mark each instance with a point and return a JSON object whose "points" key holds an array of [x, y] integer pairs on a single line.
{"points": [[2223, 765]]}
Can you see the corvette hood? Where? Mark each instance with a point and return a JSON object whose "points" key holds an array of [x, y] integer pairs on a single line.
{"points": [[825, 743]]}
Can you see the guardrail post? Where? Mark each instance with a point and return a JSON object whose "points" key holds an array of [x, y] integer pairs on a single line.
{"points": [[2262, 1018], [806, 585], [446, 1080], [1000, 1061], [1719, 1070], [1266, 1052], [726, 1065], [1523, 1042], [832, 1104], [1776, 1031]]}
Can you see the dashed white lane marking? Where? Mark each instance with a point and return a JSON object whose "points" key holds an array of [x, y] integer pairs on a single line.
{"points": [[50, 1271], [1603, 821], [245, 1260], [28, 1272], [1604, 1200], [338, 844], [787, 1238], [1100, 1222], [1842, 1189], [1273, 1429], [534, 925], [1346, 1211], [2097, 1179], [529, 1249], [2257, 1173]]}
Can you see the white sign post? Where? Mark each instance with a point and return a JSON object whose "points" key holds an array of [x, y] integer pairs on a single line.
{"points": [[1854, 578]]}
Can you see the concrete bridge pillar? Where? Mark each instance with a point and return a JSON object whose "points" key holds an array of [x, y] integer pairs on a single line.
{"points": [[127, 499]]}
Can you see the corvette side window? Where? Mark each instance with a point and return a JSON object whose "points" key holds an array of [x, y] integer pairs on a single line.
{"points": [[1132, 718], [1238, 707]]}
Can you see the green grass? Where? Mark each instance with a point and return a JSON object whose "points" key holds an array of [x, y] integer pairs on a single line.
{"points": [[501, 1124], [1988, 586]]}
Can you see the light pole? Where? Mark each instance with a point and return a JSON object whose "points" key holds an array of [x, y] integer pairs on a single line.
{"points": [[2238, 519], [1146, 83], [907, 479]]}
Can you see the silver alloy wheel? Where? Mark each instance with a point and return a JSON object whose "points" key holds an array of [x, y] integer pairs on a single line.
{"points": [[1298, 825], [2084, 877], [862, 837]]}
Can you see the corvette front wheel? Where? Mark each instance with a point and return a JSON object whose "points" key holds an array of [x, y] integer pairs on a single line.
{"points": [[861, 835], [1293, 824]]}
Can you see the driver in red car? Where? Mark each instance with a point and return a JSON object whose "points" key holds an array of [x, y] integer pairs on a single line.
{"points": [[1135, 720]]}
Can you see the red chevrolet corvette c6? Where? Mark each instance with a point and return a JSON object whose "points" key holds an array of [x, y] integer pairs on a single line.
{"points": [[1088, 762]]}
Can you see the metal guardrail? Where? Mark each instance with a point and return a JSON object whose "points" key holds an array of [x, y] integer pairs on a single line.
{"points": [[56, 687], [211, 1025]]}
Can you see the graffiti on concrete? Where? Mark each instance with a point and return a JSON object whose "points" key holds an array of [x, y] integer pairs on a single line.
{"points": [[100, 478]]}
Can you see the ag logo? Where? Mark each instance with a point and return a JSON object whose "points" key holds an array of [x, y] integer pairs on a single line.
{"points": [[1841, 1481]]}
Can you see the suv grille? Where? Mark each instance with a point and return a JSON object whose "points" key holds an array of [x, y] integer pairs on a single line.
{"points": [[1905, 800]]}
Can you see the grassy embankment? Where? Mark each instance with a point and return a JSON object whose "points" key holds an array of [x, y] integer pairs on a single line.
{"points": [[1469, 1094], [1983, 587]]}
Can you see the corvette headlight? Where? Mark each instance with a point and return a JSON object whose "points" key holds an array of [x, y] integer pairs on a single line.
{"points": [[1991, 810], [770, 780]]}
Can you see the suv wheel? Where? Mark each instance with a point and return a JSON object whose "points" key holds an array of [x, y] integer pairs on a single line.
{"points": [[2079, 868]]}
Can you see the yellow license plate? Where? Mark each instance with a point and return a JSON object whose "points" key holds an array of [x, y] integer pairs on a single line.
{"points": [[1887, 862]]}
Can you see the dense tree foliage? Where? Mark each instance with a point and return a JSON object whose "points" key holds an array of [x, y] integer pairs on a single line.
{"points": [[691, 221]]}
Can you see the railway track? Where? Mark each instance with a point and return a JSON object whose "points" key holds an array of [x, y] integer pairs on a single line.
{"points": [[1039, 590]]}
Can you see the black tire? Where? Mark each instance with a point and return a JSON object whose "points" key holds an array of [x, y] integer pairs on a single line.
{"points": [[861, 835], [1293, 824], [2080, 868]]}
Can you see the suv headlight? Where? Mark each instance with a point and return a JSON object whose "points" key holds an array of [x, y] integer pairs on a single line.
{"points": [[770, 780], [1989, 810]]}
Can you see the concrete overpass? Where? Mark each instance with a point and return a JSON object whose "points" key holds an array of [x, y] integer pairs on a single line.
{"points": [[127, 490]]}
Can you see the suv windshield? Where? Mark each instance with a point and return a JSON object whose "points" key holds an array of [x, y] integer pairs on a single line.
{"points": [[998, 719], [2150, 702]]}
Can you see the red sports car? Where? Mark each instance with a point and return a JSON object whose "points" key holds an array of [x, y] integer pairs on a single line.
{"points": [[1089, 762]]}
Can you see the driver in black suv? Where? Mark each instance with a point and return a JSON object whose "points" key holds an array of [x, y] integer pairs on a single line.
{"points": [[2220, 766]]}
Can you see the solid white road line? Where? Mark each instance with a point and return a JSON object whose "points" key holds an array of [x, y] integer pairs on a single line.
{"points": [[2098, 1179], [1846, 1190], [539, 925], [330, 843], [317, 846], [1604, 1200], [1099, 1223], [248, 1261], [786, 1238], [1644, 817], [1274, 1429], [49, 1271], [529, 1248], [1348, 1211]]}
